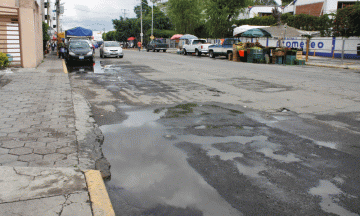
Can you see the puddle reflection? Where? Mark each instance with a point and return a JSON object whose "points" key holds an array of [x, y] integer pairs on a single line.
{"points": [[81, 67], [152, 171]]}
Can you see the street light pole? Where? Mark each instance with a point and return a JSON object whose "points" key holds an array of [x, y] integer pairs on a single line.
{"points": [[152, 19]]}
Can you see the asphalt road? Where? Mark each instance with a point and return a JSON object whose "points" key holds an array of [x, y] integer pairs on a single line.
{"points": [[190, 135]]}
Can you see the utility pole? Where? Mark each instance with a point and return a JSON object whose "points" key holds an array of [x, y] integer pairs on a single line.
{"points": [[124, 12], [141, 34], [48, 12], [152, 19], [57, 18]]}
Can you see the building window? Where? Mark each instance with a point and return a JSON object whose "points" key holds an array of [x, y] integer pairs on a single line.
{"points": [[264, 14], [345, 4]]}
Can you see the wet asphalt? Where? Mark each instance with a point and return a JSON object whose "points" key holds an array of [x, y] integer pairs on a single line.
{"points": [[217, 159]]}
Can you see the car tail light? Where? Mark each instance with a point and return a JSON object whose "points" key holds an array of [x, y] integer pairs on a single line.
{"points": [[201, 47], [155, 45]]}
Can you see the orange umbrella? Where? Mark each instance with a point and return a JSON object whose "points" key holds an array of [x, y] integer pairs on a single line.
{"points": [[176, 36]]}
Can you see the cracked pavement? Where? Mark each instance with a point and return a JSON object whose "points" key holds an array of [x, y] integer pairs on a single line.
{"points": [[47, 140]]}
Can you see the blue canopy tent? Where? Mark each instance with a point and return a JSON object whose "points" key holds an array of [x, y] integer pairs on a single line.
{"points": [[78, 32]]}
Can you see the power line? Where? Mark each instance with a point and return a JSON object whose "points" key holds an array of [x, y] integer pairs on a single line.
{"points": [[96, 12]]}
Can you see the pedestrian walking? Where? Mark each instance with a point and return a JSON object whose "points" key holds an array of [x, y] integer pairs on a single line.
{"points": [[61, 49], [53, 46], [139, 45]]}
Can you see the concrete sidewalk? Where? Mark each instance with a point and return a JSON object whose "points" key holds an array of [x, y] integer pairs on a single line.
{"points": [[49, 146], [334, 63]]}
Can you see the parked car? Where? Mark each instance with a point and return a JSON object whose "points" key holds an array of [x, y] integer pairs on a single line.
{"points": [[197, 46], [111, 49], [156, 45], [358, 49], [223, 49], [79, 50]]}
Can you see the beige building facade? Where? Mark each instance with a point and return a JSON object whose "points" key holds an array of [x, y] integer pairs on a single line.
{"points": [[21, 31]]}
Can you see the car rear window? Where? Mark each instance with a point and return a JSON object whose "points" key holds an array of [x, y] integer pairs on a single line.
{"points": [[111, 44], [79, 45]]}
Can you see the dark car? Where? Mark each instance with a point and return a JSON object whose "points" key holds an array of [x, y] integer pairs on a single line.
{"points": [[358, 49], [156, 45], [79, 50]]}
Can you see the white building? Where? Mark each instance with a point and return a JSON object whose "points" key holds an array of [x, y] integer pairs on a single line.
{"points": [[98, 35], [260, 10], [316, 7]]}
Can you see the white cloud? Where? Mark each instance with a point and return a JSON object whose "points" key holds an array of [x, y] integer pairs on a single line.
{"points": [[96, 14]]}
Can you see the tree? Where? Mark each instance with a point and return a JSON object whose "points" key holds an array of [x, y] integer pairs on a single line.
{"points": [[221, 15], [46, 37], [45, 28], [347, 21], [186, 15], [145, 8]]}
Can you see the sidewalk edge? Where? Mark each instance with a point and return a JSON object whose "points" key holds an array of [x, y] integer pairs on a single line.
{"points": [[100, 201], [64, 66]]}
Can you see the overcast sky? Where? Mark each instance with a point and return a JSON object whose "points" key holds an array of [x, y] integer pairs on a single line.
{"points": [[96, 14]]}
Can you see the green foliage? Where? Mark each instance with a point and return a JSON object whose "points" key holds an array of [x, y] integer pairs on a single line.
{"points": [[263, 2], [347, 21], [126, 28], [4, 60], [145, 8], [45, 28], [286, 2], [265, 20], [186, 15], [220, 15]]}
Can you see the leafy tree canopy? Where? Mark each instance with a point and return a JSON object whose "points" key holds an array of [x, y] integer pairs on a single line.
{"points": [[347, 21], [186, 15], [45, 28], [221, 15]]}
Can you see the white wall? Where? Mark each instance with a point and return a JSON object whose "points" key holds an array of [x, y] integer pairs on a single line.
{"points": [[305, 2], [322, 46], [331, 5]]}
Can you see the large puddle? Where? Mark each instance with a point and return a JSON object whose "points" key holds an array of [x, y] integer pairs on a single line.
{"points": [[148, 171]]}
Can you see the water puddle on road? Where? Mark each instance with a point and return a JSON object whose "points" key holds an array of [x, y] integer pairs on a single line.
{"points": [[328, 191], [150, 176]]}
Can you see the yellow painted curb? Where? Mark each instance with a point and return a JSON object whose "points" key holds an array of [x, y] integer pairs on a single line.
{"points": [[100, 201], [64, 66]]}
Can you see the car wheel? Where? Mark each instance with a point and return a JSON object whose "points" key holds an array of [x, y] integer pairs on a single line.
{"points": [[147, 50], [121, 56], [211, 54], [164, 50], [197, 53], [184, 52], [228, 55], [157, 50]]}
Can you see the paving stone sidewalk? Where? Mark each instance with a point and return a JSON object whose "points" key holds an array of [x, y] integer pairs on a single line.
{"points": [[44, 144]]}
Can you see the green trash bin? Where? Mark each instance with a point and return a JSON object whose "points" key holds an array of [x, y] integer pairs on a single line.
{"points": [[290, 59]]}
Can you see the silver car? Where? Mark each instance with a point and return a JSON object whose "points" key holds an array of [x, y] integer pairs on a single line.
{"points": [[111, 49]]}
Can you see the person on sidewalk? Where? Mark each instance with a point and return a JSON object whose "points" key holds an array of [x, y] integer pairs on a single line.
{"points": [[61, 49], [139, 45]]}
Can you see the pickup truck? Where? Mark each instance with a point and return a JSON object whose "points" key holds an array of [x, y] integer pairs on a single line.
{"points": [[156, 45], [223, 49], [197, 46]]}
